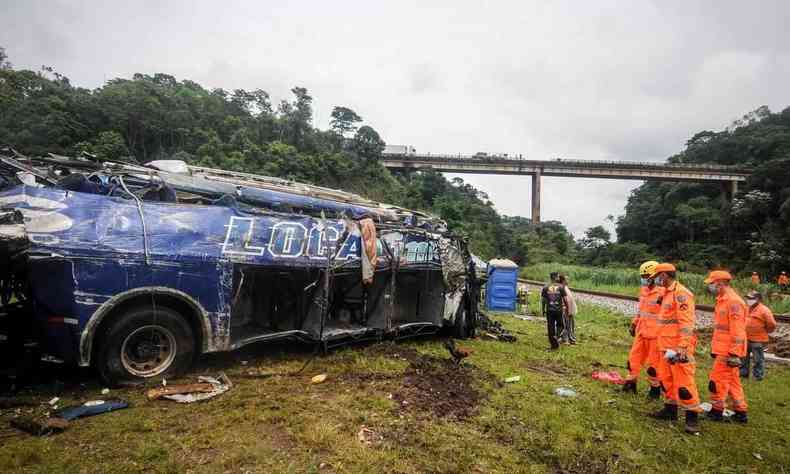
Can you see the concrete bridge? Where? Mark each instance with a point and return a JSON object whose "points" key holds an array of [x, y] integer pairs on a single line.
{"points": [[728, 177]]}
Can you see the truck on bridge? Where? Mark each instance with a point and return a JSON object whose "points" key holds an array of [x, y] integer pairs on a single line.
{"points": [[401, 150]]}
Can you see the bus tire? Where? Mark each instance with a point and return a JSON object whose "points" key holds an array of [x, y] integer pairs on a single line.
{"points": [[145, 343]]}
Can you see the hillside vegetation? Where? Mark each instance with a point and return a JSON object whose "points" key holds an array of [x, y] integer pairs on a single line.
{"points": [[693, 224], [157, 116]]}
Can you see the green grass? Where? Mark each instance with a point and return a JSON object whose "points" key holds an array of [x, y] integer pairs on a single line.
{"points": [[626, 282], [285, 424]]}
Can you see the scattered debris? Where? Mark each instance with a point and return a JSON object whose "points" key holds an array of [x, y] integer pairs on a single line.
{"points": [[513, 379], [105, 391], [206, 388], [40, 428], [529, 318], [706, 407], [549, 368], [161, 392], [15, 402], [54, 401], [369, 437], [320, 378], [610, 377], [251, 374], [494, 329], [91, 408], [758, 456], [565, 392]]}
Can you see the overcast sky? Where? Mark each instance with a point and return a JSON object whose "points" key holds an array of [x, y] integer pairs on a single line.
{"points": [[620, 80]]}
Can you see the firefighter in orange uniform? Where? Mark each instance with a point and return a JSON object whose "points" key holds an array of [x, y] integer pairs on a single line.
{"points": [[676, 344], [727, 347], [644, 328], [783, 281], [755, 278]]}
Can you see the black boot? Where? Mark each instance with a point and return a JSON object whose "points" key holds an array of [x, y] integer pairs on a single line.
{"points": [[669, 412], [629, 386], [740, 417], [654, 393], [692, 423], [716, 415]]}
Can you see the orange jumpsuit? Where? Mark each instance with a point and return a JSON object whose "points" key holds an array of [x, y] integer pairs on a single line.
{"points": [[676, 332], [783, 280], [645, 347], [729, 339], [760, 323]]}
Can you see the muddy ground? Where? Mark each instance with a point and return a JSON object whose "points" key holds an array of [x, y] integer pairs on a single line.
{"points": [[429, 386]]}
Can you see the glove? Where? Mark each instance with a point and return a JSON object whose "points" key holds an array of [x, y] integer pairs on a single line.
{"points": [[712, 355], [632, 330], [733, 361]]}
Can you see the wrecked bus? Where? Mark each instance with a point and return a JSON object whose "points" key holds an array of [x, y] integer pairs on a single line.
{"points": [[136, 270]]}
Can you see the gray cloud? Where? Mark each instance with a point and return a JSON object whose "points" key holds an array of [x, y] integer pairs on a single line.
{"points": [[594, 80]]}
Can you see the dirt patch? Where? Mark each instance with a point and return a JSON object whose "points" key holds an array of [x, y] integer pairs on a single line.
{"points": [[439, 387], [430, 386]]}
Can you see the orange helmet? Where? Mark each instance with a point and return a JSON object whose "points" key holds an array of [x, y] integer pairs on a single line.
{"points": [[663, 267], [717, 275]]}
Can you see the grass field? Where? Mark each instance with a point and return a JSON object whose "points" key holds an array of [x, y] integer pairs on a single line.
{"points": [[626, 282], [453, 420]]}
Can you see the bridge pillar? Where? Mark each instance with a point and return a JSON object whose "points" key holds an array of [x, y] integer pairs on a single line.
{"points": [[730, 189], [536, 197]]}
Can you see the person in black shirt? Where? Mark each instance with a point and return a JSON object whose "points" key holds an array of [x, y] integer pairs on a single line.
{"points": [[554, 303]]}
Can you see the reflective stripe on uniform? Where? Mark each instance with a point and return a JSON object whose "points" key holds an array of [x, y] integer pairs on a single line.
{"points": [[667, 321]]}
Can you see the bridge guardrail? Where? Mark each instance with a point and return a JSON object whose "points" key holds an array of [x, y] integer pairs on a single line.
{"points": [[561, 161]]}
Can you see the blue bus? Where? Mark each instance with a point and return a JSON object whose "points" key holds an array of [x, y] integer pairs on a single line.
{"points": [[136, 271]]}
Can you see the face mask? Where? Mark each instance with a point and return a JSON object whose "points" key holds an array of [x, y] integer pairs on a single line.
{"points": [[713, 289], [751, 302], [659, 281], [644, 281]]}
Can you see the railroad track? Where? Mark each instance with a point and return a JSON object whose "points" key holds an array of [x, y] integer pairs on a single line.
{"points": [[784, 318]]}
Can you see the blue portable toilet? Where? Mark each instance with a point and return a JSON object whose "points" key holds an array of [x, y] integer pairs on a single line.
{"points": [[502, 286]]}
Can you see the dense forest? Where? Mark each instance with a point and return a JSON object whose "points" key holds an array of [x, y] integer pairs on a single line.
{"points": [[149, 117], [694, 224]]}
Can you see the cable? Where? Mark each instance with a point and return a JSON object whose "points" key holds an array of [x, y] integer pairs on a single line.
{"points": [[142, 219]]}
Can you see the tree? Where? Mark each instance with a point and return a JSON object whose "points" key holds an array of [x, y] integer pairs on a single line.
{"points": [[344, 120], [368, 144], [110, 146]]}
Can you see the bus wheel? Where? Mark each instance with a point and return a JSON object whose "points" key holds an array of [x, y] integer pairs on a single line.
{"points": [[144, 343]]}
